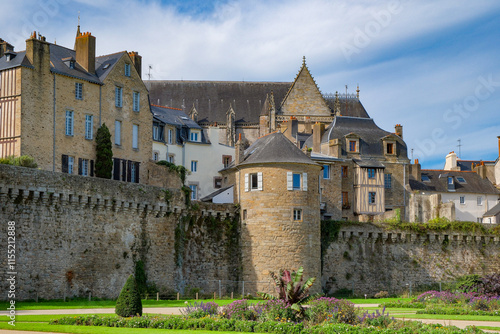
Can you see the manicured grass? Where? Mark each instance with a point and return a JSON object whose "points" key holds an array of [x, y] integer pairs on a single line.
{"points": [[450, 317], [489, 328], [41, 317], [376, 300], [44, 327], [84, 304]]}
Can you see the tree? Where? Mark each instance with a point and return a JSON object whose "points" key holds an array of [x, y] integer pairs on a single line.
{"points": [[129, 302], [104, 152]]}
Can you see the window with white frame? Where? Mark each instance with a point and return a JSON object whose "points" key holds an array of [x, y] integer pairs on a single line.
{"points": [[135, 136], [170, 136], [157, 131], [253, 181], [136, 98], [118, 96], [479, 200], [297, 214], [296, 181], [155, 156], [194, 166], [388, 181], [171, 158], [69, 123], [194, 191], [79, 91], [462, 199], [194, 135], [118, 132], [326, 171], [89, 126], [127, 70]]}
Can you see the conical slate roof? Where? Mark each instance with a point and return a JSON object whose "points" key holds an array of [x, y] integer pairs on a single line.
{"points": [[275, 148]]}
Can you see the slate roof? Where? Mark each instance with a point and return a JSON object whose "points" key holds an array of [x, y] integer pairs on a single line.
{"points": [[354, 107], [20, 59], [275, 148], [105, 64], [370, 136], [466, 165], [493, 211], [173, 116], [438, 182], [248, 99], [210, 197]]}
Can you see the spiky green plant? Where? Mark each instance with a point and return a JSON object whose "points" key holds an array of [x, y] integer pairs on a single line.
{"points": [[292, 289]]}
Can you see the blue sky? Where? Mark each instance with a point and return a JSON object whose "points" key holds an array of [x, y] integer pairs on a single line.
{"points": [[431, 66]]}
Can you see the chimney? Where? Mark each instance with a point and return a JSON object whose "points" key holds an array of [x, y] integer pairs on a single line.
{"points": [[335, 148], [5, 47], [308, 126], [399, 130], [318, 130], [137, 61], [498, 146], [291, 129], [85, 51], [239, 153], [415, 170], [451, 161], [38, 52]]}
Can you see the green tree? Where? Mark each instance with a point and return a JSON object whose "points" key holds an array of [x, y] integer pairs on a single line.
{"points": [[104, 152], [129, 302]]}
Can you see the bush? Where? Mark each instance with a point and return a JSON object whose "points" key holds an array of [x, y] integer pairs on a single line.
{"points": [[22, 161], [319, 308], [382, 294], [276, 310], [129, 302], [239, 310], [200, 310]]}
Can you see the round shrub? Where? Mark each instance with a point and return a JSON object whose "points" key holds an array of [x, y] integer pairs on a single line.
{"points": [[129, 302]]}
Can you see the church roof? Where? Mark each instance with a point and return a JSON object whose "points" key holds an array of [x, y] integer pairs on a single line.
{"points": [[275, 148], [213, 98]]}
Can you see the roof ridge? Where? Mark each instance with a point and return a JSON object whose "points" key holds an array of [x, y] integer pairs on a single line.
{"points": [[114, 53], [164, 107], [447, 171]]}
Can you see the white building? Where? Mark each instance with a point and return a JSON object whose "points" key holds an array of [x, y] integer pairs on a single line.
{"points": [[180, 140]]}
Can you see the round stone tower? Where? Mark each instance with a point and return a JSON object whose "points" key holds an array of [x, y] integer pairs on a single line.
{"points": [[277, 188]]}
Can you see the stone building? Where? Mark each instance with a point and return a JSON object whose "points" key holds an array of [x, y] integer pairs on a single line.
{"points": [[53, 99], [276, 186]]}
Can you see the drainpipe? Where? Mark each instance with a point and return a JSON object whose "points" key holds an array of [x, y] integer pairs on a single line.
{"points": [[54, 127]]}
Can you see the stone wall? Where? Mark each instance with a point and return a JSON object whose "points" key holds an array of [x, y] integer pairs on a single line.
{"points": [[423, 208], [369, 259], [76, 235]]}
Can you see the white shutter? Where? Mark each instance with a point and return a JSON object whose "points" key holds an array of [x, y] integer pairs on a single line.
{"points": [[289, 180], [259, 180], [246, 182], [304, 181]]}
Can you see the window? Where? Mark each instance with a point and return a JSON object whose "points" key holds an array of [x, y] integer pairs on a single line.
{"points": [[450, 180], [390, 148], [170, 136], [132, 173], [170, 158], [136, 98], [118, 132], [155, 156], [193, 136], [226, 160], [156, 131], [245, 214], [253, 181], [79, 91], [72, 64], [388, 181], [217, 182], [89, 126], [194, 192], [326, 171], [371, 173], [297, 214], [479, 220], [352, 146], [345, 200], [194, 166], [71, 164], [371, 197], [135, 136], [118, 96], [479, 200], [425, 178], [69, 123], [462, 199], [84, 167], [344, 171], [296, 181], [127, 70], [68, 162], [461, 179]]}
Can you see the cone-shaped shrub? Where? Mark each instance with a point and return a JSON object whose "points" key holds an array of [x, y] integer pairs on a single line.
{"points": [[129, 302]]}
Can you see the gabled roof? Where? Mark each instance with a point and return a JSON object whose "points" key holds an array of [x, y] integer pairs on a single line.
{"points": [[213, 98], [173, 116], [466, 165], [105, 64], [20, 59], [438, 182], [211, 196], [493, 211], [275, 148], [59, 66]]}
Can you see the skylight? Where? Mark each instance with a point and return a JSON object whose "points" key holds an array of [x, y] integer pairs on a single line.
{"points": [[425, 178], [106, 66], [461, 179]]}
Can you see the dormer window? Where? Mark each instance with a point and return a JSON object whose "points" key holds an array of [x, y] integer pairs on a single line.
{"points": [[71, 64], [9, 55], [352, 143], [389, 148], [352, 146], [450, 180], [194, 136]]}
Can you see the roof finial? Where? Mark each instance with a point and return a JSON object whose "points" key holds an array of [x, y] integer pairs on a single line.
{"points": [[357, 92], [304, 61]]}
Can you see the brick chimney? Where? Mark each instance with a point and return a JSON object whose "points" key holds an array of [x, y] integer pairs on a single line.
{"points": [[291, 129], [318, 130], [85, 51], [38, 52], [398, 129], [239, 153], [5, 47], [308, 125], [137, 61], [416, 171]]}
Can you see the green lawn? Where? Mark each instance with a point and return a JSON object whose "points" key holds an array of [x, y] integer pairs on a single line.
{"points": [[449, 317], [376, 301]]}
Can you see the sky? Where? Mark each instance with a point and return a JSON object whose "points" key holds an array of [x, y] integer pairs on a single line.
{"points": [[431, 66]]}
